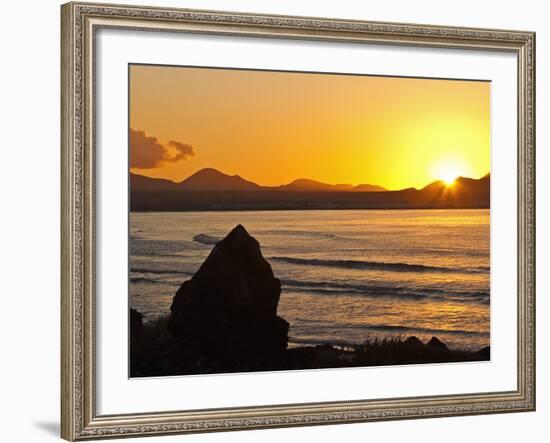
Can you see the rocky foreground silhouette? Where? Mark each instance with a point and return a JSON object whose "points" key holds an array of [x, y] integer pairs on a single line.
{"points": [[229, 307], [224, 319]]}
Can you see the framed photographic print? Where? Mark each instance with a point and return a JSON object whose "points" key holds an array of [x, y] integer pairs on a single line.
{"points": [[282, 221]]}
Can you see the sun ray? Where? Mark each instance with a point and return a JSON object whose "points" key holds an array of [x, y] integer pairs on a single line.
{"points": [[449, 169]]}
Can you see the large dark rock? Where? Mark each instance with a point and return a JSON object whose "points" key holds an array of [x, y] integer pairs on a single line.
{"points": [[229, 307]]}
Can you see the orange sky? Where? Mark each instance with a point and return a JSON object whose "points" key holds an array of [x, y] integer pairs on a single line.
{"points": [[274, 127]]}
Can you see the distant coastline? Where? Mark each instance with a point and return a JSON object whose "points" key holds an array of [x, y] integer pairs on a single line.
{"points": [[211, 190]]}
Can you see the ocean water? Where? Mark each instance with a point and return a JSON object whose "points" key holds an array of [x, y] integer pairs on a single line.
{"points": [[346, 275]]}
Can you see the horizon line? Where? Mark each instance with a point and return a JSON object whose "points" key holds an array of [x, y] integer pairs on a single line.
{"points": [[300, 178]]}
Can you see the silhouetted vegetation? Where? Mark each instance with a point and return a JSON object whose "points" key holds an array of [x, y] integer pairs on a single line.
{"points": [[157, 353]]}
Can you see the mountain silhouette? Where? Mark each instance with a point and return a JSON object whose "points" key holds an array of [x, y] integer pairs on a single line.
{"points": [[464, 191], [305, 184], [143, 183], [368, 188], [209, 189], [210, 179], [207, 179]]}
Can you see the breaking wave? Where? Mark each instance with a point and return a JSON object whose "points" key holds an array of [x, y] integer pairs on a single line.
{"points": [[373, 265]]}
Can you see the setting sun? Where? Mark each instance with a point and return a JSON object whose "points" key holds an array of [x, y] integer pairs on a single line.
{"points": [[328, 182], [275, 127], [448, 170], [449, 177]]}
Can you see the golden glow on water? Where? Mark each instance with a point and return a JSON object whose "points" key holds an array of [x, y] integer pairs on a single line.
{"points": [[275, 127], [338, 303], [429, 318]]}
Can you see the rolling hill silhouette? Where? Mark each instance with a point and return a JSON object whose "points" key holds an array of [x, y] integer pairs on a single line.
{"points": [[207, 179], [210, 179], [210, 189], [305, 184]]}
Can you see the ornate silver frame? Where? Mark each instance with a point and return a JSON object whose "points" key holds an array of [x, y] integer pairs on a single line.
{"points": [[80, 21]]}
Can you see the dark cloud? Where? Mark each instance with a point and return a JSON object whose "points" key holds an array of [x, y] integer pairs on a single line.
{"points": [[146, 152], [183, 150]]}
